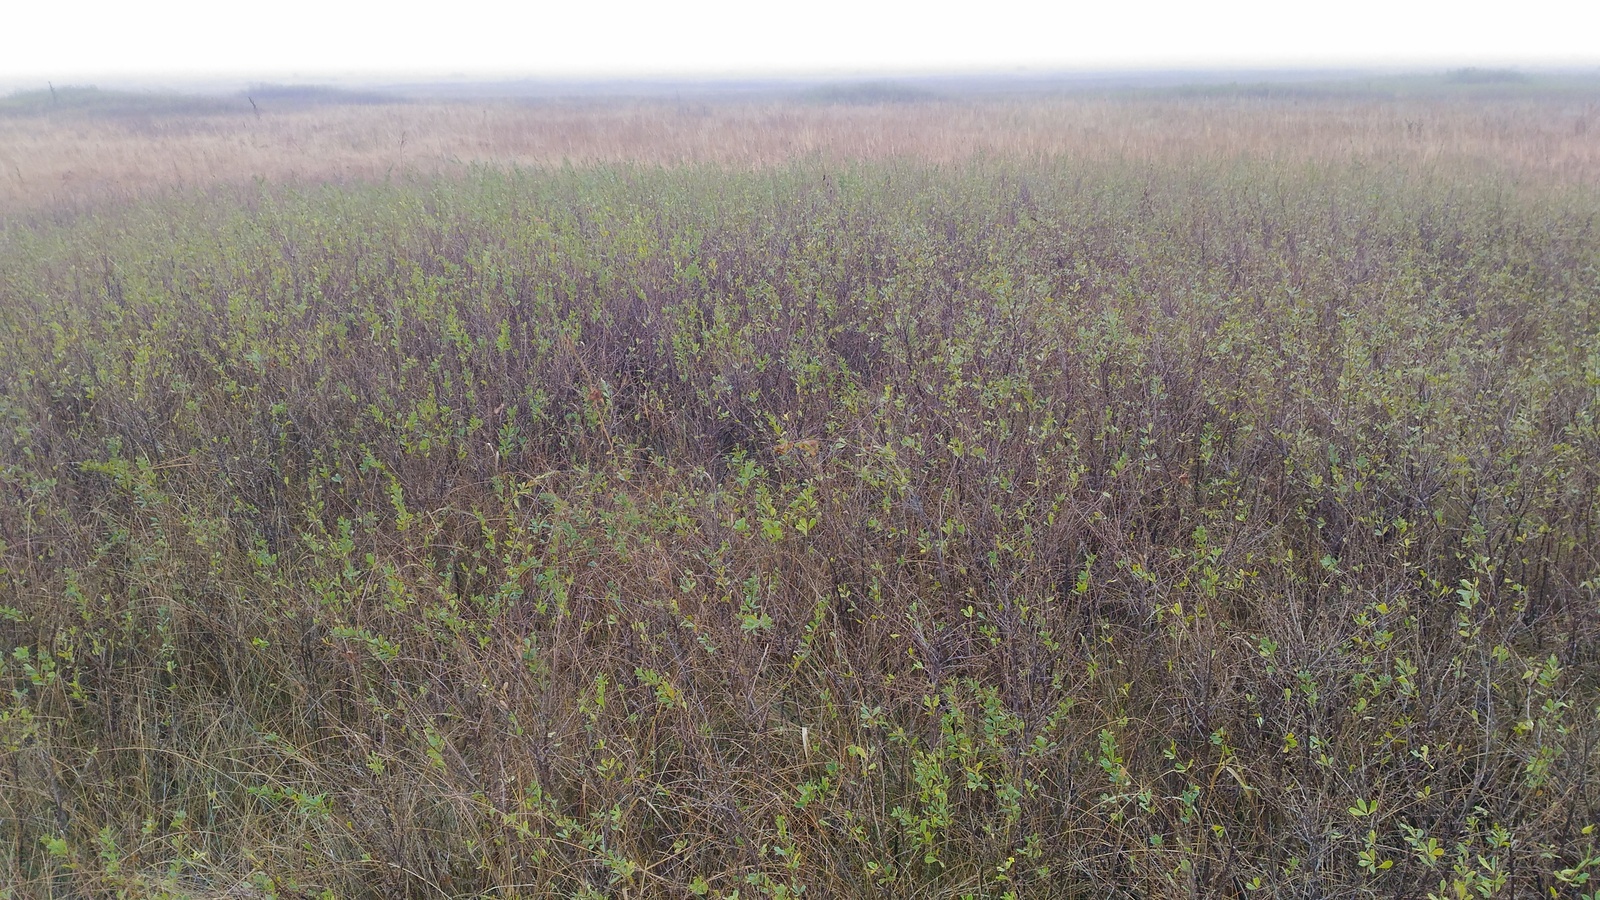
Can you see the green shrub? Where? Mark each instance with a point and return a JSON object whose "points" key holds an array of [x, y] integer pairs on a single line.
{"points": [[1007, 530]]}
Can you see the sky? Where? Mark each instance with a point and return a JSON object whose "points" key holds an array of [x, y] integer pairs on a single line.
{"points": [[70, 41]]}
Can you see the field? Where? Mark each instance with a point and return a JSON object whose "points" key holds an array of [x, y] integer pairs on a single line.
{"points": [[1143, 494], [94, 146]]}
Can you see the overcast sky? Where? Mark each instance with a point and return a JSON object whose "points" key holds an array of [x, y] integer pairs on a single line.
{"points": [[68, 40]]}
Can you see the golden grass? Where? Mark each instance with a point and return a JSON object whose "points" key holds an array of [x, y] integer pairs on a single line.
{"points": [[70, 161]]}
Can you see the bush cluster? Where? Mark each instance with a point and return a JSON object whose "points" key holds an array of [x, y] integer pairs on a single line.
{"points": [[1013, 529]]}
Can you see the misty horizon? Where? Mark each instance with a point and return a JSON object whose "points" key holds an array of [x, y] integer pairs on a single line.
{"points": [[422, 84], [184, 41]]}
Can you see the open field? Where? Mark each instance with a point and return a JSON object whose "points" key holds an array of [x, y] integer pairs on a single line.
{"points": [[69, 160], [1153, 496]]}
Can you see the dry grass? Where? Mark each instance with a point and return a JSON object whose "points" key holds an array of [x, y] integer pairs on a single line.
{"points": [[71, 161]]}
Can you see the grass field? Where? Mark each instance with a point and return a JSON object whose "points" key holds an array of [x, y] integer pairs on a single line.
{"points": [[94, 145], [1158, 495]]}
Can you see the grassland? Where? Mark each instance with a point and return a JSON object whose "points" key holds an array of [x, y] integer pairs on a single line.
{"points": [[1148, 496], [59, 159]]}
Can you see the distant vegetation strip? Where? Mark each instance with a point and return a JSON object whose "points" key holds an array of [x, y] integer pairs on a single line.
{"points": [[89, 101], [55, 166], [93, 101]]}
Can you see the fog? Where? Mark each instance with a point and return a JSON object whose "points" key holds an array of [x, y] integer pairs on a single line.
{"points": [[185, 40]]}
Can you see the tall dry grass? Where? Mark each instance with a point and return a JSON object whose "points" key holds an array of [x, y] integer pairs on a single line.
{"points": [[70, 161]]}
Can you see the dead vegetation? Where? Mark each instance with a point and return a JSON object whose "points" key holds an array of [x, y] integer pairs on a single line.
{"points": [[68, 162]]}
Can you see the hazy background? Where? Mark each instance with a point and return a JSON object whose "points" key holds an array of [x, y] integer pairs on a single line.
{"points": [[186, 42]]}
